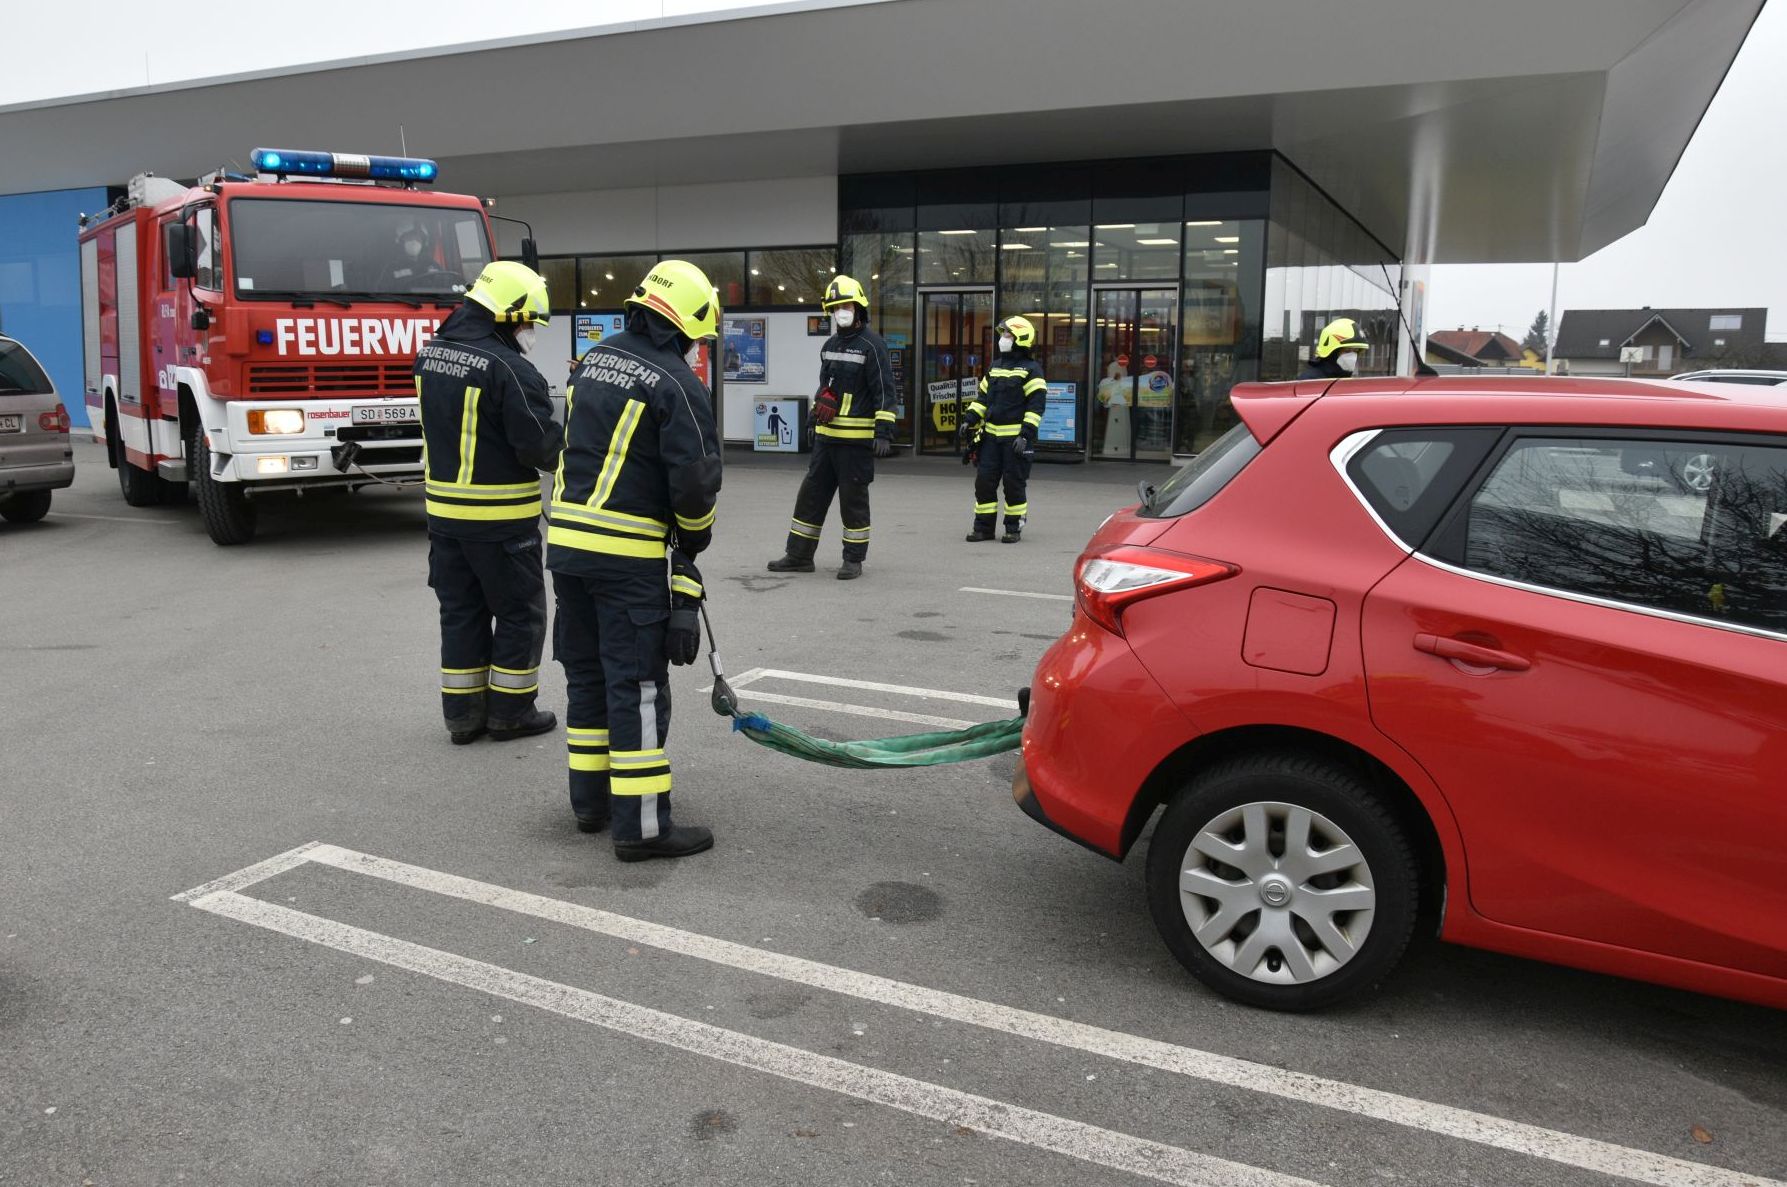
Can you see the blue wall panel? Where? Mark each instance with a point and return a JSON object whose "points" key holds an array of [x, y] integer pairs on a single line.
{"points": [[40, 282]]}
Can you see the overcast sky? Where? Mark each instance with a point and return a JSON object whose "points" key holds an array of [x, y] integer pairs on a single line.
{"points": [[1717, 237]]}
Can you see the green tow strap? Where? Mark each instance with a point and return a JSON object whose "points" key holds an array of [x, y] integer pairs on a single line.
{"points": [[905, 750]]}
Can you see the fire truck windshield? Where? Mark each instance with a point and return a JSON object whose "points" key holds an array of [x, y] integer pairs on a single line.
{"points": [[332, 250]]}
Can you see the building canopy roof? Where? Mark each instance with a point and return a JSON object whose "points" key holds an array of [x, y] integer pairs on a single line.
{"points": [[1522, 130]]}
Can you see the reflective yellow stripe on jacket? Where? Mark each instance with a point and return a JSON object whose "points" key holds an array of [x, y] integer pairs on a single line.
{"points": [[592, 526]]}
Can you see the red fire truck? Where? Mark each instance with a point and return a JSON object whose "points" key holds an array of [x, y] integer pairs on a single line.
{"points": [[255, 334]]}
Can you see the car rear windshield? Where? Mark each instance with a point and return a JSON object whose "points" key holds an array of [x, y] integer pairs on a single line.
{"points": [[1199, 480], [19, 372]]}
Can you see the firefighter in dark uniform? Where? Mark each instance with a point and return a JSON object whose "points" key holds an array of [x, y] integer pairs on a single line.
{"points": [[1337, 351], [488, 431], [1000, 429], [637, 485], [853, 416]]}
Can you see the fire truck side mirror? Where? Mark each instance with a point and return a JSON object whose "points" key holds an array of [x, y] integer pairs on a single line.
{"points": [[177, 242], [530, 254]]}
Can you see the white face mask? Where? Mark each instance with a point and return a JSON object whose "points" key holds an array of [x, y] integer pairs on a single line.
{"points": [[412, 248], [524, 338], [1005, 344], [1348, 361], [843, 317], [692, 356]]}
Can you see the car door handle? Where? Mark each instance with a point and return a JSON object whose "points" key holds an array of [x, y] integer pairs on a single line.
{"points": [[1471, 653]]}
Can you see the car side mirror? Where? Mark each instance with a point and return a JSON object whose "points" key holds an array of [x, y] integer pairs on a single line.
{"points": [[177, 243]]}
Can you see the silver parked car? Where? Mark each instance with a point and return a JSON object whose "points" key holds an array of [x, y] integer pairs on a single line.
{"points": [[35, 455]]}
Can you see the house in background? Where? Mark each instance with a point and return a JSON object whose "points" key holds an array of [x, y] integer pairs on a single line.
{"points": [[1658, 342], [1475, 348]]}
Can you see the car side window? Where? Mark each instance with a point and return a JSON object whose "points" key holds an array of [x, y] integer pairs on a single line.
{"points": [[1693, 528], [1411, 476]]}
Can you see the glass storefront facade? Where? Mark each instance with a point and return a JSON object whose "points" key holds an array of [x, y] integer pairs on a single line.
{"points": [[1155, 286]]}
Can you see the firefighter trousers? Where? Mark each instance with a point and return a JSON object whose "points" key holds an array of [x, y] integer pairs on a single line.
{"points": [[492, 595], [846, 471], [609, 636], [1002, 460]]}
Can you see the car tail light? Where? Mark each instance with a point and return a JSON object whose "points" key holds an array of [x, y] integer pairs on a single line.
{"points": [[54, 422], [1109, 581]]}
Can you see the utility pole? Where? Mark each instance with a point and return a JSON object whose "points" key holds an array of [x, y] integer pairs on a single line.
{"points": [[1551, 326]]}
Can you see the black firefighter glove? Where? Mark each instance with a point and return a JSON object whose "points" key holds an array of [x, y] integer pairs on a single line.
{"points": [[682, 640], [883, 445], [1027, 443], [970, 443]]}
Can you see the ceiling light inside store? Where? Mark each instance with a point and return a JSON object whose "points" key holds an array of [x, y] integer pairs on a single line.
{"points": [[1071, 243], [1030, 230], [754, 272], [1107, 265], [1231, 251], [1014, 247], [1204, 224], [1227, 238], [1158, 242], [958, 232], [1116, 226], [781, 288], [607, 276]]}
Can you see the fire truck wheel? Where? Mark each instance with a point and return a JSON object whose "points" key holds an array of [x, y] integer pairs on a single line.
{"points": [[229, 516], [141, 488]]}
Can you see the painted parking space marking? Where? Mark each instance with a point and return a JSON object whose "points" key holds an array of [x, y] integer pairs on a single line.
{"points": [[1017, 593], [747, 679], [1044, 1131], [112, 518], [1607, 1158]]}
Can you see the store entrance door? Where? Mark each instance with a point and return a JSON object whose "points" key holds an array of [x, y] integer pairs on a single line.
{"points": [[1135, 342], [955, 346]]}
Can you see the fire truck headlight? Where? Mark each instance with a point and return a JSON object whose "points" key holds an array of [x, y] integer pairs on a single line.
{"points": [[276, 421], [272, 465]]}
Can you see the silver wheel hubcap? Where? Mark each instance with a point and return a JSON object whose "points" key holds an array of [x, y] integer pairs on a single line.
{"points": [[1277, 893], [1697, 472]]}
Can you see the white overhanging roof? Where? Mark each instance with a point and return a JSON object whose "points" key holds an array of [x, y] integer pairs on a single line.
{"points": [[1467, 131]]}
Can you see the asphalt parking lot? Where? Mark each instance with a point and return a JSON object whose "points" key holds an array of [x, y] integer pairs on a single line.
{"points": [[400, 964]]}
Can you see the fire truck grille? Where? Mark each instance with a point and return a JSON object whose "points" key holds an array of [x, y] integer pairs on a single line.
{"points": [[330, 379]]}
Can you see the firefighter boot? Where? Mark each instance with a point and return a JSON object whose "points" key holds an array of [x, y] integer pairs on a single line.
{"points": [[683, 840], [788, 563], [534, 721], [1012, 536], [978, 535], [467, 725], [849, 570]]}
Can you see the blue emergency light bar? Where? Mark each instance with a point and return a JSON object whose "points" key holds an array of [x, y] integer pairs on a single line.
{"points": [[287, 163]]}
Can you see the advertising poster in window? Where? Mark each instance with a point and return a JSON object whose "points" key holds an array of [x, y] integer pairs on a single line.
{"points": [[1060, 415], [745, 345], [587, 329]]}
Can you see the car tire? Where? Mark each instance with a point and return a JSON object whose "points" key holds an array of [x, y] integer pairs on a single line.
{"points": [[28, 507], [1273, 933], [229, 516], [140, 488], [1695, 473]]}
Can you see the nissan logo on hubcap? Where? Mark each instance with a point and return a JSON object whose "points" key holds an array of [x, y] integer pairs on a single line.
{"points": [[1275, 892]]}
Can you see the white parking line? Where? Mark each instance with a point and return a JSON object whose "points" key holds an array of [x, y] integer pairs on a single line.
{"points": [[905, 690], [1045, 1131], [1017, 593], [112, 518], [1624, 1162], [748, 678]]}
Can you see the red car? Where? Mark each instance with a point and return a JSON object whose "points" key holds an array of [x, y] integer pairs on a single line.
{"points": [[1403, 656]]}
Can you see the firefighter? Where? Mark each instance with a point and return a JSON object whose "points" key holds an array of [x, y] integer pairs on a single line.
{"points": [[853, 416], [637, 484], [1000, 429], [488, 431], [1337, 351]]}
